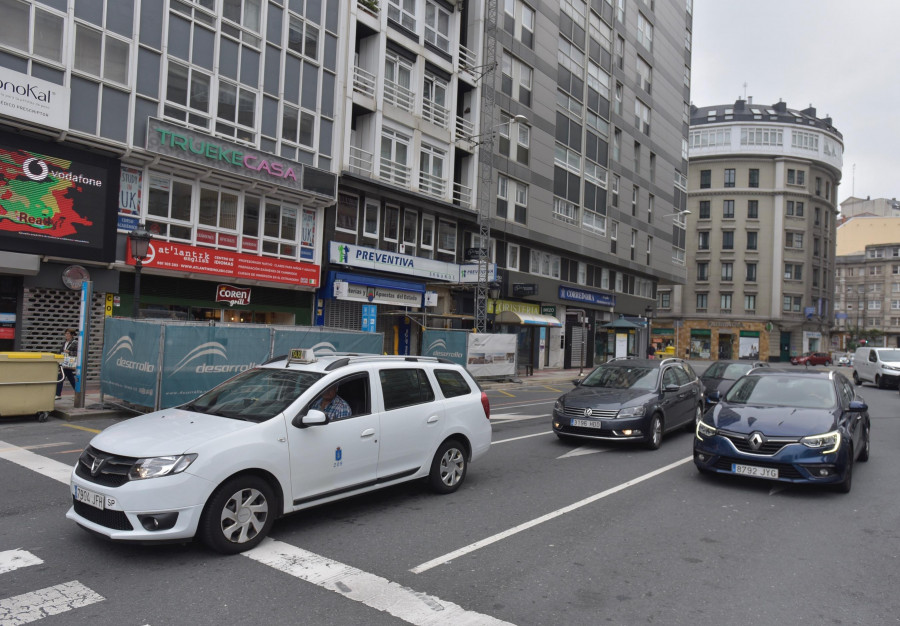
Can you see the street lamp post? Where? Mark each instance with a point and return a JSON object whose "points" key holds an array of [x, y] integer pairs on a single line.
{"points": [[139, 241]]}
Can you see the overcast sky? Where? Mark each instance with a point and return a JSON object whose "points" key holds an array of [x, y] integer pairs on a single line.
{"points": [[841, 56]]}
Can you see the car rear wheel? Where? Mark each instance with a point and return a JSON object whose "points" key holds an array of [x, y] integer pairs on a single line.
{"points": [[654, 433], [864, 453], [448, 468], [238, 515]]}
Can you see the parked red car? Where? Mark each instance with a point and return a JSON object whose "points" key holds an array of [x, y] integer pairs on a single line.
{"points": [[812, 358]]}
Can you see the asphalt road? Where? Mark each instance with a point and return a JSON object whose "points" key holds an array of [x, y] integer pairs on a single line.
{"points": [[543, 532]]}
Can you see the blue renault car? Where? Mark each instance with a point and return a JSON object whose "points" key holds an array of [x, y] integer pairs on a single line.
{"points": [[786, 425]]}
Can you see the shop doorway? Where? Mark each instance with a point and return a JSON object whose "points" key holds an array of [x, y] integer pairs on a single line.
{"points": [[10, 286], [726, 347], [785, 351]]}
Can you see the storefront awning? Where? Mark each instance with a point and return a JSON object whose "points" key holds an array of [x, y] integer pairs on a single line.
{"points": [[529, 319]]}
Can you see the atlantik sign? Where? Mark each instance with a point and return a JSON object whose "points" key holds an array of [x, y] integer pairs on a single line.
{"points": [[233, 295]]}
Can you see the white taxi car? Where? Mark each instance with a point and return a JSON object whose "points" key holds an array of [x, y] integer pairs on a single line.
{"points": [[273, 440]]}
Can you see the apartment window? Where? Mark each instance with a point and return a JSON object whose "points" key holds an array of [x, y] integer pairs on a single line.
{"points": [[794, 208], [753, 209], [750, 275], [620, 52], [97, 53], [298, 126], [392, 226], [187, 95], [614, 190], [818, 185], [303, 38], [644, 32], [728, 240], [793, 271], [613, 236], [816, 246], [645, 74], [347, 213], [515, 79], [598, 80], [874, 305], [664, 299], [728, 272], [545, 264], [649, 248], [791, 304], [35, 32], [728, 209], [447, 238], [793, 240], [818, 216], [641, 116], [754, 178], [403, 12], [705, 179], [437, 26], [280, 227], [634, 200], [752, 240], [617, 145], [432, 179], [703, 240], [634, 235], [370, 220], [725, 302], [702, 301], [729, 177], [687, 76], [796, 177], [750, 302], [512, 256], [652, 168], [427, 238], [704, 210], [394, 157], [509, 190], [398, 73], [650, 202], [619, 97], [243, 12], [702, 271], [236, 112]]}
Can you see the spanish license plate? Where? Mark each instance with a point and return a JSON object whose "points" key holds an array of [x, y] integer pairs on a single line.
{"points": [[92, 498], [587, 423], [752, 470]]}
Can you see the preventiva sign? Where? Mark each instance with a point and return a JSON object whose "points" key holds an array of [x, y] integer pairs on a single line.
{"points": [[382, 260]]}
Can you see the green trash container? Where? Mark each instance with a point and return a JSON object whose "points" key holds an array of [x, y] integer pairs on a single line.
{"points": [[28, 383]]}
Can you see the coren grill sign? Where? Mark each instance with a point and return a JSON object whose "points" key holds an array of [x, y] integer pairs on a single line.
{"points": [[233, 295]]}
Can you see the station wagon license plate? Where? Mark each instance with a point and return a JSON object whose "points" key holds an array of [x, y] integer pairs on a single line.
{"points": [[752, 470], [92, 498], [587, 423]]}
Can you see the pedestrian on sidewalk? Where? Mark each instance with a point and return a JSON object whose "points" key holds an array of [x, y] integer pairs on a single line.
{"points": [[67, 369]]}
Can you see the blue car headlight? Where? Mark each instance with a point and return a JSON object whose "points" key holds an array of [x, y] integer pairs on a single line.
{"points": [[705, 430], [830, 441], [632, 411]]}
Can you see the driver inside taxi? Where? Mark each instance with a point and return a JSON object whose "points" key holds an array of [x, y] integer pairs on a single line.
{"points": [[332, 405]]}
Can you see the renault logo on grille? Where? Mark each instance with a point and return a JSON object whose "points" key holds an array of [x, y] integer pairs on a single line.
{"points": [[756, 440], [588, 412]]}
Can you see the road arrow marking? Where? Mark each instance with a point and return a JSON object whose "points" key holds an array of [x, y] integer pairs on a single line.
{"points": [[581, 452]]}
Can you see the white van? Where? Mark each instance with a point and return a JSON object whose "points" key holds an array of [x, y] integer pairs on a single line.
{"points": [[880, 366]]}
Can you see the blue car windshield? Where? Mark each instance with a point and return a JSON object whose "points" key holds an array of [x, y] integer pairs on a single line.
{"points": [[622, 377], [788, 391], [255, 395]]}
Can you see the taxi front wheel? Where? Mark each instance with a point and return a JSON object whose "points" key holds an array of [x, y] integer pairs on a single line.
{"points": [[238, 515]]}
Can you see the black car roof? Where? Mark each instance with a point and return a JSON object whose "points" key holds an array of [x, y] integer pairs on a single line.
{"points": [[804, 373]]}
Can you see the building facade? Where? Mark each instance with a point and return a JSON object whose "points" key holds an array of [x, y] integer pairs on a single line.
{"points": [[877, 207], [867, 297], [761, 235], [327, 155]]}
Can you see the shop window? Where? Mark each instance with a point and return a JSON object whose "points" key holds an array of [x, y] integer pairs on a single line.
{"points": [[217, 219], [236, 112], [410, 231], [32, 30], [513, 252], [280, 229], [447, 238], [303, 38], [187, 95], [298, 126], [100, 54]]}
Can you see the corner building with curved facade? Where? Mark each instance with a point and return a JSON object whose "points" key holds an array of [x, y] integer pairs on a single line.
{"points": [[760, 248]]}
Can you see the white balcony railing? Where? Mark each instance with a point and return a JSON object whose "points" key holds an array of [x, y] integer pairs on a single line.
{"points": [[432, 185], [398, 95], [462, 195], [465, 129], [467, 59], [361, 162], [435, 113], [363, 82], [393, 172]]}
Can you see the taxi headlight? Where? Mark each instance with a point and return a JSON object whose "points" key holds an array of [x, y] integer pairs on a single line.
{"points": [[153, 467], [830, 441], [632, 411], [705, 430]]}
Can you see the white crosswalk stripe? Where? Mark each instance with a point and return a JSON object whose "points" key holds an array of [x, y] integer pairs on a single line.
{"points": [[36, 605], [14, 559]]}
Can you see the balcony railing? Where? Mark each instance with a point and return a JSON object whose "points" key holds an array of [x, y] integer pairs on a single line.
{"points": [[435, 113], [467, 60], [361, 162], [465, 130], [462, 195], [369, 5], [363, 82], [432, 185], [393, 172], [398, 95]]}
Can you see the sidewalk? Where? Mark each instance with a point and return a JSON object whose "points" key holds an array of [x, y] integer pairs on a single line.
{"points": [[93, 407]]}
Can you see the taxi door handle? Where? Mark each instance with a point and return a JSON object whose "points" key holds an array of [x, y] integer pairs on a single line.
{"points": [[367, 433], [433, 419]]}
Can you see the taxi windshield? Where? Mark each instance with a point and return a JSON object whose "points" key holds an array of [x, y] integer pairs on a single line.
{"points": [[255, 395]]}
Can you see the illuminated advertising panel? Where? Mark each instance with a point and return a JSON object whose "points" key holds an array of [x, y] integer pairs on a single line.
{"points": [[56, 201]]}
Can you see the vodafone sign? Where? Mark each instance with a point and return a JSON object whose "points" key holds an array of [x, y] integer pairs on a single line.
{"points": [[233, 295]]}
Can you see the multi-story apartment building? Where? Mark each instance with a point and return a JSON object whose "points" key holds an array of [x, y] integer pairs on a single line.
{"points": [[877, 207], [867, 297], [326, 153], [761, 234]]}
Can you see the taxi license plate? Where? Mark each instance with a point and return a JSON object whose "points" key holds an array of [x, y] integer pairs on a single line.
{"points": [[586, 423], [92, 498], [752, 470]]}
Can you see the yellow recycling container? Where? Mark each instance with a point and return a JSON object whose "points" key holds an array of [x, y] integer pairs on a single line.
{"points": [[28, 383]]}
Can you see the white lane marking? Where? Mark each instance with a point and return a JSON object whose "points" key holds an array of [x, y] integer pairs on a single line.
{"points": [[42, 445], [494, 443], [373, 591], [543, 518], [581, 452], [524, 404], [30, 607], [14, 559], [40, 464]]}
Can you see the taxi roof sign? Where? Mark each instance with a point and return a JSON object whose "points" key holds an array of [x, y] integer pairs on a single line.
{"points": [[302, 355]]}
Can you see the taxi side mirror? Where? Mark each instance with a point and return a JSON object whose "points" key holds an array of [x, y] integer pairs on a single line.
{"points": [[313, 417]]}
